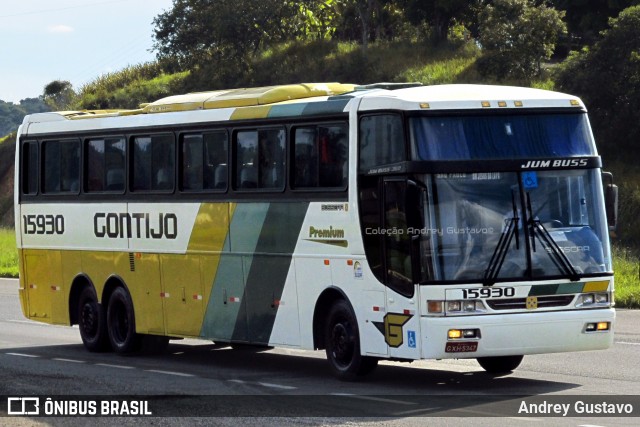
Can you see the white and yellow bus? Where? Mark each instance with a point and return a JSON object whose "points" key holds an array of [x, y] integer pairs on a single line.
{"points": [[397, 222]]}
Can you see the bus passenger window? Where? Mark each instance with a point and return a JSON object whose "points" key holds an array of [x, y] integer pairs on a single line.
{"points": [[61, 163], [381, 141], [104, 164], [153, 167], [204, 161], [30, 167], [321, 156], [260, 159]]}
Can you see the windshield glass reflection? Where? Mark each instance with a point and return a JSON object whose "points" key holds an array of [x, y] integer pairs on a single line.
{"points": [[504, 225]]}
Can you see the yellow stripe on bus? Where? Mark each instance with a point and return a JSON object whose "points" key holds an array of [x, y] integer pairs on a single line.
{"points": [[600, 286], [244, 113], [211, 227]]}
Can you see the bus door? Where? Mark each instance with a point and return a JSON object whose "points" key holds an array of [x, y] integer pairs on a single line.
{"points": [[402, 319]]}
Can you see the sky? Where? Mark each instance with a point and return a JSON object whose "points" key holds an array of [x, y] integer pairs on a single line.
{"points": [[75, 40]]}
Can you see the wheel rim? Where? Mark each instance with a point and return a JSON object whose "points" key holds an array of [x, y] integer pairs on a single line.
{"points": [[342, 343], [89, 320]]}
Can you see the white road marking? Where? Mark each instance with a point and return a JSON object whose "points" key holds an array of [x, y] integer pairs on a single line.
{"points": [[178, 374], [59, 359], [375, 399], [283, 387], [271, 385], [109, 365], [417, 411], [22, 355], [627, 343]]}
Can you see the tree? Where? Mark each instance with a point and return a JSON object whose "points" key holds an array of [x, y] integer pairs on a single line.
{"points": [[587, 18], [58, 94], [516, 36], [314, 19], [607, 77], [439, 14], [196, 32], [11, 114]]}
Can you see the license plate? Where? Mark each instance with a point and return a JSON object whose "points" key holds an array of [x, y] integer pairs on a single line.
{"points": [[461, 347]]}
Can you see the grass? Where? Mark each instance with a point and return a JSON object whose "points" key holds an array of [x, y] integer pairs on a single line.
{"points": [[626, 265], [8, 253]]}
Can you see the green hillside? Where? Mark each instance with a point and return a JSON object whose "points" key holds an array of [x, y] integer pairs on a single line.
{"points": [[7, 152]]}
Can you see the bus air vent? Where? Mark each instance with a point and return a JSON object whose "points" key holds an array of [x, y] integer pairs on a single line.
{"points": [[132, 262], [521, 303]]}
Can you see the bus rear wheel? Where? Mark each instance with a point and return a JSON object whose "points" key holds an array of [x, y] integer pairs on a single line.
{"points": [[121, 323], [500, 364], [342, 343], [92, 322]]}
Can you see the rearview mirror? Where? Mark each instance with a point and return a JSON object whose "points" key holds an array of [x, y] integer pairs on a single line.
{"points": [[610, 200]]}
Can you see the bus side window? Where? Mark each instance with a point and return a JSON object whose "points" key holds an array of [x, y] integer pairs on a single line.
{"points": [[381, 141], [321, 156], [104, 164], [30, 167], [260, 159], [61, 166], [153, 167], [204, 160]]}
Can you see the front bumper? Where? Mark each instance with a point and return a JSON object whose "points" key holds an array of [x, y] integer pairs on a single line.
{"points": [[519, 334]]}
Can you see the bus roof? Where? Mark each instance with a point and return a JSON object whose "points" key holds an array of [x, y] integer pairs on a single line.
{"points": [[305, 99], [467, 96]]}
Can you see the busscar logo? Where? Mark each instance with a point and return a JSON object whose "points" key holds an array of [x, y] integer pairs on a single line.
{"points": [[23, 406]]}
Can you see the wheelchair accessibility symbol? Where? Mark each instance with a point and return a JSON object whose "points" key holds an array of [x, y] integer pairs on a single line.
{"points": [[411, 339], [530, 180]]}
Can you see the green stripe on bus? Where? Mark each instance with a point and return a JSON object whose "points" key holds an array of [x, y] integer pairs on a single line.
{"points": [[543, 290], [227, 294], [556, 289], [269, 268], [252, 271], [570, 288]]}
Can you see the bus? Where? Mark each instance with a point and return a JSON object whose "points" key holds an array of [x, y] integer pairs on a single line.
{"points": [[377, 222]]}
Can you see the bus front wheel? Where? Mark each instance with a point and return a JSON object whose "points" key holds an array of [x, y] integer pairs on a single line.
{"points": [[92, 321], [342, 343], [500, 364], [121, 323]]}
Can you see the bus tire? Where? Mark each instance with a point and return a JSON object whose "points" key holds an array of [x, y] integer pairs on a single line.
{"points": [[122, 323], [92, 321], [342, 343], [500, 364]]}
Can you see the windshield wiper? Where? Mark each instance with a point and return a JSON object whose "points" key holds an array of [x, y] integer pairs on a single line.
{"points": [[537, 229], [502, 248]]}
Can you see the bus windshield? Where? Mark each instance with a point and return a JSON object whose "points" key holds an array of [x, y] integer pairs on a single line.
{"points": [[481, 137], [506, 225]]}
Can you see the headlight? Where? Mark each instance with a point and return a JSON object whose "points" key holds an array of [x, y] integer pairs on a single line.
{"points": [[469, 306], [587, 299], [600, 299], [455, 307]]}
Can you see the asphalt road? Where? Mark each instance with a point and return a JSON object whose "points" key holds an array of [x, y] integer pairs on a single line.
{"points": [[292, 387]]}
